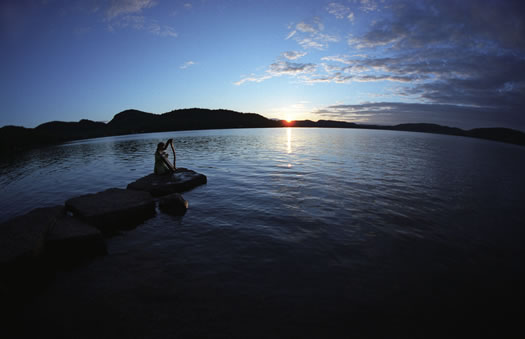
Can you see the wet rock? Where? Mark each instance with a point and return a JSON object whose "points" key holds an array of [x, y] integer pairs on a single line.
{"points": [[23, 238], [113, 209], [71, 241], [160, 185], [173, 204]]}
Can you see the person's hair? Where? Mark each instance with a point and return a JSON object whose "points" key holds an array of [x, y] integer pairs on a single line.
{"points": [[160, 145]]}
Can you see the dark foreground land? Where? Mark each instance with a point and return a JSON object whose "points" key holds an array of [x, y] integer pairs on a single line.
{"points": [[14, 138]]}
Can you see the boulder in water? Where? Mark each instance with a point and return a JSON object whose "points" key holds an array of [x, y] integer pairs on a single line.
{"points": [[173, 204]]}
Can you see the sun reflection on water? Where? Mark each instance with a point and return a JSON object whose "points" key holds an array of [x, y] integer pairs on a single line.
{"points": [[289, 139]]}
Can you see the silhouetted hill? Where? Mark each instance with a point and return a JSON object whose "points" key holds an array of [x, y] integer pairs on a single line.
{"points": [[13, 138], [64, 131], [428, 128], [133, 121], [498, 134]]}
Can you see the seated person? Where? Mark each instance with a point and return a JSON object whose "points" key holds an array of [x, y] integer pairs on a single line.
{"points": [[162, 164]]}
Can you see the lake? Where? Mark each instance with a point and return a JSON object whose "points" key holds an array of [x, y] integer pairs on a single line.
{"points": [[298, 233]]}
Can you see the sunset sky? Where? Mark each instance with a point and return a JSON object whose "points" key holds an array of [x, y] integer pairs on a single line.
{"points": [[455, 63]]}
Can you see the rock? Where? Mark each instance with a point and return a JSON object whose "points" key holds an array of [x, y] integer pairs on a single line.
{"points": [[173, 204], [22, 238], [159, 185], [113, 209], [71, 241]]}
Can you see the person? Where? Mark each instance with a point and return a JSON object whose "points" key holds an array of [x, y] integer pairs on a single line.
{"points": [[162, 163]]}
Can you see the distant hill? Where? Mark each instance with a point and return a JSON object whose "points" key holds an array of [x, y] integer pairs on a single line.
{"points": [[14, 138]]}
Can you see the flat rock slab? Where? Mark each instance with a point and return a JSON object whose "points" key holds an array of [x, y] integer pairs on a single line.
{"points": [[113, 209], [159, 185], [24, 237], [71, 240]]}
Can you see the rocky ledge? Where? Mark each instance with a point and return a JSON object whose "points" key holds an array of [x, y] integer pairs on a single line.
{"points": [[159, 185]]}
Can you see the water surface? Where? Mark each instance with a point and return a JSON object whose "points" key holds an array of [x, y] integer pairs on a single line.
{"points": [[310, 232]]}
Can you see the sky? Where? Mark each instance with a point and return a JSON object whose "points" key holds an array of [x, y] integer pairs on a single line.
{"points": [[456, 63]]}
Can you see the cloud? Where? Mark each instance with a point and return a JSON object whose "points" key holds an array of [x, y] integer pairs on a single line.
{"points": [[340, 11], [463, 23], [162, 30], [392, 113], [304, 27], [120, 7], [456, 59], [291, 34], [123, 14], [309, 35], [140, 22], [187, 64], [368, 5], [280, 68], [293, 55], [338, 78], [290, 68], [311, 43], [253, 78]]}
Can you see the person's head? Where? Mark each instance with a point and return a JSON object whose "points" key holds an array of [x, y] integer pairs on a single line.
{"points": [[160, 146]]}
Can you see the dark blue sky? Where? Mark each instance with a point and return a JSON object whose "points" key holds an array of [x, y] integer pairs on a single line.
{"points": [[456, 63]]}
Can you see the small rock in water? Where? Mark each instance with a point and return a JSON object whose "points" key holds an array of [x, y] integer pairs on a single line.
{"points": [[173, 204], [113, 209], [158, 185]]}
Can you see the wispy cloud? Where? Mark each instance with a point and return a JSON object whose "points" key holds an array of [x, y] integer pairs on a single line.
{"points": [[279, 68], [368, 5], [140, 22], [290, 68], [187, 64], [293, 55], [310, 34], [340, 11], [163, 30], [253, 78], [291, 34], [121, 7], [304, 27], [123, 14]]}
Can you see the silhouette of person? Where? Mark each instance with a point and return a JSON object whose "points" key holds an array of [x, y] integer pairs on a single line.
{"points": [[162, 163]]}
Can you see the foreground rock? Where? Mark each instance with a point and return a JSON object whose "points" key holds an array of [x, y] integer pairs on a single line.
{"points": [[160, 185], [113, 209], [23, 238], [34, 244], [71, 241], [173, 204]]}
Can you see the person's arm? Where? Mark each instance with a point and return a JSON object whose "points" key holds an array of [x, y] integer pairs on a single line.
{"points": [[167, 143]]}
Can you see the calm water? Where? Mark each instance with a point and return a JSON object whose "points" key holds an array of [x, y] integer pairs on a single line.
{"points": [[310, 232]]}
